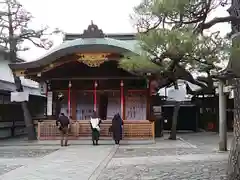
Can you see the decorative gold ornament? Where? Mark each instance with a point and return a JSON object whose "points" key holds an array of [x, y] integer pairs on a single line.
{"points": [[93, 59]]}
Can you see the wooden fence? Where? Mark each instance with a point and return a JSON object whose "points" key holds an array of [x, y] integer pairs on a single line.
{"points": [[132, 129]]}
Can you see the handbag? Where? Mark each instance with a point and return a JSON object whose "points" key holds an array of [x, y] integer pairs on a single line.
{"points": [[98, 128], [60, 128]]}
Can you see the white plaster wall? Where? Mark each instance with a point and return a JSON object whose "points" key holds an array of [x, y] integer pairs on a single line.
{"points": [[6, 74], [182, 88]]}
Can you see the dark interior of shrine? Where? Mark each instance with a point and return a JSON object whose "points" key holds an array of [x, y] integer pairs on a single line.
{"points": [[106, 81]]}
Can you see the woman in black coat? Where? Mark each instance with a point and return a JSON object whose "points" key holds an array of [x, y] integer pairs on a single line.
{"points": [[116, 128]]}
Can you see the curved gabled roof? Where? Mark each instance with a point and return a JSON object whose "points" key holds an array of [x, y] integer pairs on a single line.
{"points": [[81, 45]]}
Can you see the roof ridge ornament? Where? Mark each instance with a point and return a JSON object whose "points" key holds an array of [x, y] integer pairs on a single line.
{"points": [[92, 32]]}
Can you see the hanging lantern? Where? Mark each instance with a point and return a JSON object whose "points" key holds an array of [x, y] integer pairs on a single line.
{"points": [[121, 84], [70, 84], [95, 84]]}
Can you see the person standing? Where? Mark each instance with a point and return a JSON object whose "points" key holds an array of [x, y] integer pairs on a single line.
{"points": [[63, 125], [95, 127], [116, 128]]}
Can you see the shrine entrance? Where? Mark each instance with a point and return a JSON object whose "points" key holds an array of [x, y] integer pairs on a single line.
{"points": [[86, 70]]}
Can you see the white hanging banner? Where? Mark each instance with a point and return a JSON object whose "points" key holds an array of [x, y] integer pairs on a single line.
{"points": [[19, 96], [49, 103], [177, 94]]}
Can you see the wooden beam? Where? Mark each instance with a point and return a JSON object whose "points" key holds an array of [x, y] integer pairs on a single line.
{"points": [[97, 78], [51, 66], [55, 65]]}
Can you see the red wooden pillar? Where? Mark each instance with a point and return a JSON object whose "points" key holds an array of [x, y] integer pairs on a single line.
{"points": [[47, 89], [122, 99], [49, 95], [69, 98], [73, 104], [95, 95]]}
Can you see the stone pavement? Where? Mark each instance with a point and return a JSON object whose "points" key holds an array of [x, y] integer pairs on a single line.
{"points": [[190, 159], [193, 157], [25, 142], [67, 163]]}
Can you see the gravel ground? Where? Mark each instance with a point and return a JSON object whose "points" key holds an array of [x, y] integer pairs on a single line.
{"points": [[178, 171], [24, 153], [139, 152], [7, 168], [202, 144]]}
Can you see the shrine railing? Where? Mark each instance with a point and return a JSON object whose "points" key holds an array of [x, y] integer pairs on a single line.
{"points": [[132, 129]]}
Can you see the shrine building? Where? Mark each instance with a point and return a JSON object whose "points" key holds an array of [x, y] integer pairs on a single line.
{"points": [[85, 70]]}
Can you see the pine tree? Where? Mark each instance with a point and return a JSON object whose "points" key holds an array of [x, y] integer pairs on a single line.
{"points": [[170, 34]]}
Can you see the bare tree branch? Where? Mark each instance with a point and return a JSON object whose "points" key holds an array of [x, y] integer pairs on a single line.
{"points": [[14, 27], [217, 20]]}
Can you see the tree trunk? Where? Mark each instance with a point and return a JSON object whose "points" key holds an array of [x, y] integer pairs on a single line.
{"points": [[161, 127], [233, 172], [31, 133], [173, 133]]}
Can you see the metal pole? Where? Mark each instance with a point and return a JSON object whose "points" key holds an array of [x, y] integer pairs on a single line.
{"points": [[222, 118]]}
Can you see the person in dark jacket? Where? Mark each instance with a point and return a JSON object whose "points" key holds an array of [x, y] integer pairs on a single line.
{"points": [[116, 128], [63, 125]]}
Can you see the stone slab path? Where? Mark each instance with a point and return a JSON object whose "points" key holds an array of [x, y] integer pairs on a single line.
{"points": [[70, 163], [192, 157]]}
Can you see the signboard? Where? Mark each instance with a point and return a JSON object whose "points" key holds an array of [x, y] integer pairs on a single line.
{"points": [[49, 103], [177, 94], [157, 111], [43, 88], [19, 96]]}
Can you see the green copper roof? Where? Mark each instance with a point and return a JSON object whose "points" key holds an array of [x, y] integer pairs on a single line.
{"points": [[81, 45], [129, 45]]}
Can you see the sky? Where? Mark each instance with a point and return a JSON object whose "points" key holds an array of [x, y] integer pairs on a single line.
{"points": [[73, 16]]}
